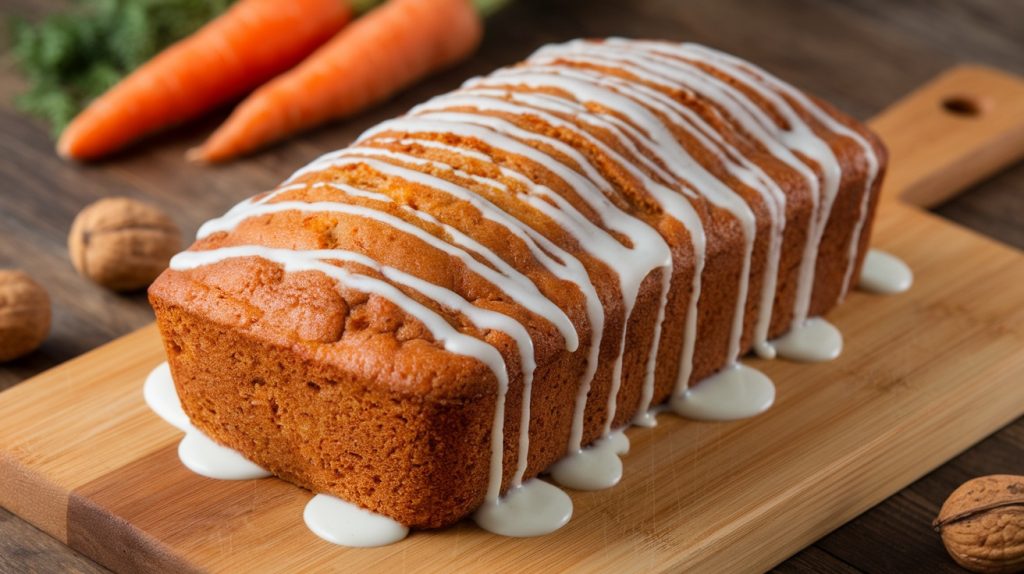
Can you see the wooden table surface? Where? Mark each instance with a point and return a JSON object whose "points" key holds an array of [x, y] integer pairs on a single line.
{"points": [[861, 55]]}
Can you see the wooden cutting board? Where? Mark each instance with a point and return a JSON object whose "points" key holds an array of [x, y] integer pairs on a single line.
{"points": [[923, 376]]}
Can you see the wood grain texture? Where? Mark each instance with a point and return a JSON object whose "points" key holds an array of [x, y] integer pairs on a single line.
{"points": [[924, 375], [969, 121], [25, 549], [861, 54]]}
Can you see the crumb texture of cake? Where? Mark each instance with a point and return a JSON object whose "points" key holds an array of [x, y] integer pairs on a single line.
{"points": [[516, 270]]}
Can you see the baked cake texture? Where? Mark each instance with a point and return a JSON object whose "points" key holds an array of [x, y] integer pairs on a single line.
{"points": [[606, 223]]}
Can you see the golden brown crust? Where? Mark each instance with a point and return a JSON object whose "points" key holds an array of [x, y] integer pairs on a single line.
{"points": [[342, 392]]}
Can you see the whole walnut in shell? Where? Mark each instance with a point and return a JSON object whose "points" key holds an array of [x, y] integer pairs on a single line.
{"points": [[122, 244], [982, 524], [24, 314]]}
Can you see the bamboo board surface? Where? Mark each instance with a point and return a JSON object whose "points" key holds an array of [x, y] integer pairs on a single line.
{"points": [[923, 376]]}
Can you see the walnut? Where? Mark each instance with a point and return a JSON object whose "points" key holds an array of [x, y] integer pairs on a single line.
{"points": [[122, 244], [24, 314], [982, 524]]}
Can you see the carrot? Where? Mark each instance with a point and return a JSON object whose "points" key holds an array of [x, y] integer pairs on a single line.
{"points": [[247, 45], [393, 46]]}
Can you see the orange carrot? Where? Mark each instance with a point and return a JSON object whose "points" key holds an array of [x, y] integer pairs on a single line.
{"points": [[379, 54], [247, 45]]}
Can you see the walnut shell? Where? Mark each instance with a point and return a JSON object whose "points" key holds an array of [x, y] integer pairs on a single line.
{"points": [[122, 244], [24, 314], [982, 524]]}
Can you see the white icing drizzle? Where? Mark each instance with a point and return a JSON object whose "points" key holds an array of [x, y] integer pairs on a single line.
{"points": [[640, 119], [596, 467], [813, 341], [205, 457], [162, 398], [736, 392], [884, 273], [533, 509], [343, 523]]}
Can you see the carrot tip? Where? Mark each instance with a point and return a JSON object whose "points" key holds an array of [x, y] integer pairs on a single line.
{"points": [[196, 155], [64, 149]]}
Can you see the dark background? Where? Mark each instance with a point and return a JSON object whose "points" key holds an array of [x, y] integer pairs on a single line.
{"points": [[860, 55]]}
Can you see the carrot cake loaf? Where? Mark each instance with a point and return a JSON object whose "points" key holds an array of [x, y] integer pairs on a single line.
{"points": [[493, 285]]}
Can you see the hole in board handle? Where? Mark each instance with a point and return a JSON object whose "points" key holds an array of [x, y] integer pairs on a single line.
{"points": [[964, 106]]}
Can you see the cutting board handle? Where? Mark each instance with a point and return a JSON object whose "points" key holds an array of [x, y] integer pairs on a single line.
{"points": [[958, 129]]}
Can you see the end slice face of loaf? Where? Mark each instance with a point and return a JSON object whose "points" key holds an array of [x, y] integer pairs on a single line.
{"points": [[447, 307]]}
